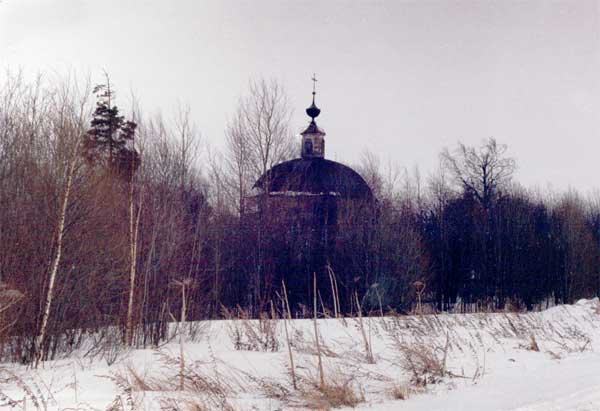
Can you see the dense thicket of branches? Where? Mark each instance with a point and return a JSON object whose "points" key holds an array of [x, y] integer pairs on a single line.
{"points": [[471, 236]]}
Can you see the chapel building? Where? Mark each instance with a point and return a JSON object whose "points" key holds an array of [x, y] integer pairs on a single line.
{"points": [[307, 205]]}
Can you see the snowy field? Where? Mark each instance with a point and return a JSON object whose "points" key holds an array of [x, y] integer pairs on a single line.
{"points": [[536, 362]]}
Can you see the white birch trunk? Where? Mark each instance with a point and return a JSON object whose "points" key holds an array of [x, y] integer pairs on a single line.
{"points": [[134, 226], [39, 355]]}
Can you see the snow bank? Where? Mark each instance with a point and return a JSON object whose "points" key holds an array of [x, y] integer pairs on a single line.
{"points": [[494, 361]]}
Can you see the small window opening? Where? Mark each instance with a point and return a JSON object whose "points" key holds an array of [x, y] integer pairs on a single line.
{"points": [[308, 147]]}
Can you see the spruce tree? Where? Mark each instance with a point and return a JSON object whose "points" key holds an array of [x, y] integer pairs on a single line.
{"points": [[109, 142]]}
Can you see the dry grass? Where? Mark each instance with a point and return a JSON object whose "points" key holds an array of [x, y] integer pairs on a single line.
{"points": [[184, 404], [338, 394], [252, 335], [305, 345], [340, 388], [138, 382], [491, 331], [533, 345], [31, 397], [338, 391], [366, 340], [271, 388], [201, 390], [399, 391], [422, 363], [422, 356]]}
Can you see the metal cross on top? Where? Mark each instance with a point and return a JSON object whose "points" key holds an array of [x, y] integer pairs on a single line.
{"points": [[314, 79]]}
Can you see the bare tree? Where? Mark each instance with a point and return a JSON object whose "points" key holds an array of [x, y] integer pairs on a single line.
{"points": [[187, 140], [481, 171], [370, 169], [580, 251], [59, 243], [258, 136], [9, 298], [69, 122], [134, 231], [237, 160], [173, 230]]}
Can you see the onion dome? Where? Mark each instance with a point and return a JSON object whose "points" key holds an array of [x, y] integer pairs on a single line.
{"points": [[313, 111]]}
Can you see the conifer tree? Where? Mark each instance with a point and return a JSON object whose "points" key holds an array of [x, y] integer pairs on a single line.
{"points": [[109, 141]]}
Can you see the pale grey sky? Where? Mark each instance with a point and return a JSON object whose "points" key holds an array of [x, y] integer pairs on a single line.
{"points": [[401, 78]]}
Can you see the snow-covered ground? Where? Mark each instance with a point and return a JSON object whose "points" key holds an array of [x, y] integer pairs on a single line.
{"points": [[536, 361]]}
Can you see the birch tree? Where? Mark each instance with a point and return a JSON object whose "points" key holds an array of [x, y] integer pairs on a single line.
{"points": [[258, 136], [70, 127], [134, 229]]}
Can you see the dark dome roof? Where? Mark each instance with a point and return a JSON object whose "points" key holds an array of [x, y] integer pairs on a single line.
{"points": [[316, 176]]}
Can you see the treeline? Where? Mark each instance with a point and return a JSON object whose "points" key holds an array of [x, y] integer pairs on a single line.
{"points": [[127, 220]]}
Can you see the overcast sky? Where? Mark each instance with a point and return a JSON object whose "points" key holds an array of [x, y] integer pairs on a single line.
{"points": [[403, 79]]}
